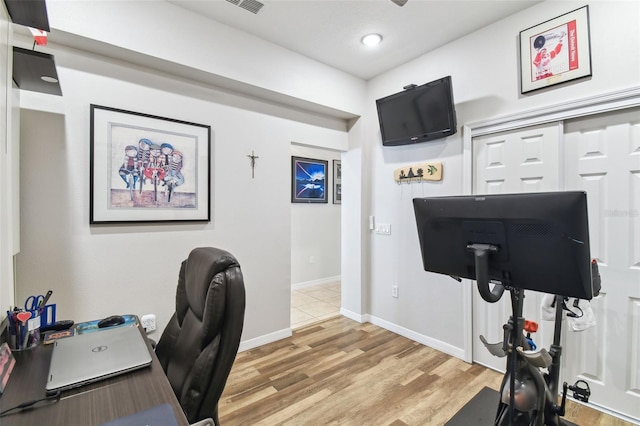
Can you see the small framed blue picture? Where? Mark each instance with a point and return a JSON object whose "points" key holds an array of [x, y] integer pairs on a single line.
{"points": [[308, 180]]}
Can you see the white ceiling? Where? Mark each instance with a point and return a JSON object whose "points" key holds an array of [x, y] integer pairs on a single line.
{"points": [[329, 31]]}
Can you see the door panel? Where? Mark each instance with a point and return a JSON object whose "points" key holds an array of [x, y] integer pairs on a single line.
{"points": [[603, 158], [601, 155], [524, 160]]}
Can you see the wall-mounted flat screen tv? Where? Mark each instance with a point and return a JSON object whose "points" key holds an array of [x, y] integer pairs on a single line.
{"points": [[418, 114]]}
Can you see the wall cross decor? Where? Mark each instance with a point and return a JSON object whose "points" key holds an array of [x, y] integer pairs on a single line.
{"points": [[253, 158]]}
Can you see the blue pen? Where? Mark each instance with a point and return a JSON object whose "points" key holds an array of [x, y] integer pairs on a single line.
{"points": [[25, 338], [12, 326]]}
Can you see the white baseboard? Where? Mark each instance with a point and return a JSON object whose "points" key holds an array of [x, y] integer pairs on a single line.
{"points": [[265, 339], [352, 315], [362, 318], [405, 332], [320, 281], [420, 338]]}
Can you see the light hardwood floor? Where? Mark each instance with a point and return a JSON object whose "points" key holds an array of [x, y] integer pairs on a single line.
{"points": [[341, 372]]}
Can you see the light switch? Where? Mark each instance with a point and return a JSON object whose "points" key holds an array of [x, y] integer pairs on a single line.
{"points": [[383, 229]]}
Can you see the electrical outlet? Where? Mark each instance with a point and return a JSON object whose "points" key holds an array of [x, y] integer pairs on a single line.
{"points": [[148, 322], [394, 291]]}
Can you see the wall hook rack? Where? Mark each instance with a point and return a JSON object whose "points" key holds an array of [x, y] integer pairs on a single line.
{"points": [[419, 172]]}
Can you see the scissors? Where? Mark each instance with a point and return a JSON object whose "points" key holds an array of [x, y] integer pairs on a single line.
{"points": [[36, 302], [33, 302]]}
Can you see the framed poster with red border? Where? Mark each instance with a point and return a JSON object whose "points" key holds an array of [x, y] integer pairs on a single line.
{"points": [[555, 51]]}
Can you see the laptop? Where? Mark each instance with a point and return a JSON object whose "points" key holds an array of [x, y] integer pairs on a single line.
{"points": [[90, 357]]}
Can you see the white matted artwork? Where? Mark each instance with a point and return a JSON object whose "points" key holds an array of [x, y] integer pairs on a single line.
{"points": [[145, 168]]}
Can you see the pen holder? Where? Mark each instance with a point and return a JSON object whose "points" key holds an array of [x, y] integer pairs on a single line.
{"points": [[24, 330], [48, 315]]}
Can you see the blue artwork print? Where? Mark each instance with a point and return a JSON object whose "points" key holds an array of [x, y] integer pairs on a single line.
{"points": [[309, 180]]}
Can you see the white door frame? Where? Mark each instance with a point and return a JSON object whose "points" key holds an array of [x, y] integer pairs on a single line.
{"points": [[612, 101]]}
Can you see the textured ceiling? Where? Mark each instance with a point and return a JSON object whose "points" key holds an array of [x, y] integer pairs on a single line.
{"points": [[329, 31]]}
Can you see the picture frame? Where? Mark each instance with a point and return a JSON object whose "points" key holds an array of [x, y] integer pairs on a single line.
{"points": [[308, 180], [555, 51], [7, 362], [146, 168], [337, 182]]}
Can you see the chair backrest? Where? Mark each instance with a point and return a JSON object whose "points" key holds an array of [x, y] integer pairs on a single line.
{"points": [[200, 343]]}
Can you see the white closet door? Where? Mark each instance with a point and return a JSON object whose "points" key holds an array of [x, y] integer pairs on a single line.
{"points": [[523, 160], [603, 158]]}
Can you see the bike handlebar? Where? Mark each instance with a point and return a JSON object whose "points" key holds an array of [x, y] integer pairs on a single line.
{"points": [[481, 252]]}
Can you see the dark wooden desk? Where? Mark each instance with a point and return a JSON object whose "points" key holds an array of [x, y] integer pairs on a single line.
{"points": [[92, 404]]}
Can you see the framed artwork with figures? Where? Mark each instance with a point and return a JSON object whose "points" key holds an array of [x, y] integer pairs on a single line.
{"points": [[145, 168]]}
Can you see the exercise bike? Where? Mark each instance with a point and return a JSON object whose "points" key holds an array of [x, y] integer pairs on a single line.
{"points": [[528, 394]]}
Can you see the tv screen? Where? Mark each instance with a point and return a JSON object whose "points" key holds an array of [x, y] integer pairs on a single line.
{"points": [[418, 114], [541, 239]]}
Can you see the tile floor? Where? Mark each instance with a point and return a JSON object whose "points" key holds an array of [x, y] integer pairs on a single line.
{"points": [[313, 304]]}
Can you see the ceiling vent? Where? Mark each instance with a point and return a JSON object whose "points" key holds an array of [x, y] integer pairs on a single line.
{"points": [[252, 6]]}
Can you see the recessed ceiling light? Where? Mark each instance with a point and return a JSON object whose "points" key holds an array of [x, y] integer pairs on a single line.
{"points": [[371, 39], [49, 79]]}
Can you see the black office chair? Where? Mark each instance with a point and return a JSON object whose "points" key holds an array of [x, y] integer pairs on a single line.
{"points": [[200, 343]]}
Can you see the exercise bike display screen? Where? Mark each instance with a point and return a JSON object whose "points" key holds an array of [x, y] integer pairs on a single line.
{"points": [[535, 241]]}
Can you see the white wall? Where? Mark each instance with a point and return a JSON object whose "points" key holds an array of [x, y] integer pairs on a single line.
{"points": [[9, 153], [484, 69], [485, 78], [100, 270], [354, 269], [96, 271], [163, 30], [315, 229], [6, 256]]}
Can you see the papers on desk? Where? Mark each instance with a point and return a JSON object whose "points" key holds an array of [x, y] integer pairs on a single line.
{"points": [[160, 415]]}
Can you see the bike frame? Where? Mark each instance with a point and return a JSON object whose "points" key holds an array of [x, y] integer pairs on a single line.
{"points": [[547, 411]]}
